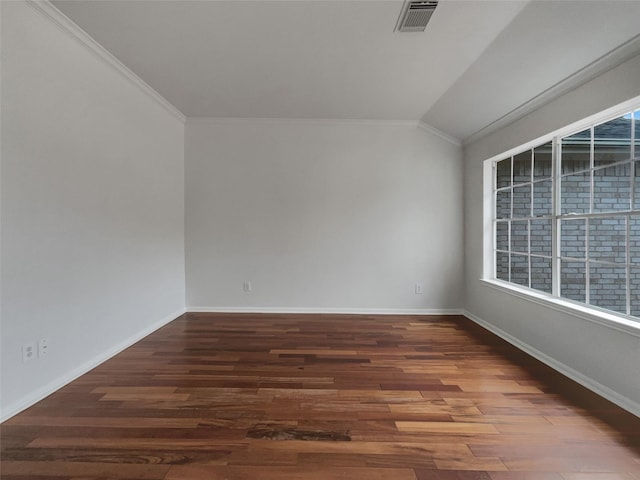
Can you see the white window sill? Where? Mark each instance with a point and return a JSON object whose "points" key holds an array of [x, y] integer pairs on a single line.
{"points": [[617, 322]]}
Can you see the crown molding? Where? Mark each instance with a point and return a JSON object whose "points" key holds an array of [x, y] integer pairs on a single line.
{"points": [[439, 133], [606, 62], [320, 121], [296, 121], [50, 12]]}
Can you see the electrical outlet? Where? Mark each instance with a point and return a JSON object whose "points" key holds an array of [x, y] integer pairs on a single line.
{"points": [[28, 352], [246, 286], [419, 290], [43, 347]]}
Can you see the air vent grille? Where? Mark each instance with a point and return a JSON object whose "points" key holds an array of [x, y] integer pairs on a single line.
{"points": [[415, 15]]}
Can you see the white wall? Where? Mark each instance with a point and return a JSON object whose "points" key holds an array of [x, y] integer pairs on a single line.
{"points": [[604, 358], [321, 216], [92, 207]]}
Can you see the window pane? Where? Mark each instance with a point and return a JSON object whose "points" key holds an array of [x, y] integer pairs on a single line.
{"points": [[542, 198], [520, 269], [522, 201], [503, 173], [502, 236], [542, 162], [503, 204], [572, 280], [575, 193], [608, 239], [520, 237], [612, 141], [611, 188], [634, 239], [572, 238], [608, 286], [541, 240], [634, 281], [597, 189], [522, 167], [576, 152], [502, 266], [541, 274]]}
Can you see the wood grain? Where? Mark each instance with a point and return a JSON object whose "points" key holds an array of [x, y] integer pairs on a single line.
{"points": [[239, 396]]}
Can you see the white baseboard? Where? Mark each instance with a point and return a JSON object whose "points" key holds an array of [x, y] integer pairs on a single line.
{"points": [[323, 310], [606, 392], [48, 389]]}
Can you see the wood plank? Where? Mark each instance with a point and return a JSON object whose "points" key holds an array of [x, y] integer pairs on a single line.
{"points": [[288, 473], [244, 396], [446, 427]]}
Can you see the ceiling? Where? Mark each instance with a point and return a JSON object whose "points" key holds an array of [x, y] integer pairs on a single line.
{"points": [[477, 61]]}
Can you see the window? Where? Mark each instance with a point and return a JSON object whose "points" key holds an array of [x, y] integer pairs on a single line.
{"points": [[566, 219]]}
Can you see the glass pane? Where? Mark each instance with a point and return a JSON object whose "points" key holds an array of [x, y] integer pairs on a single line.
{"points": [[520, 237], [634, 282], [573, 280], [522, 167], [637, 187], [542, 198], [541, 240], [541, 274], [522, 201], [608, 239], [572, 238], [576, 152], [611, 188], [520, 270], [542, 162], [634, 239], [502, 266], [608, 287], [502, 236], [503, 204], [575, 191], [612, 141], [503, 173]]}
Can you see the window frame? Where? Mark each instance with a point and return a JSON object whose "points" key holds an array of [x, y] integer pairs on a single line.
{"points": [[554, 299]]}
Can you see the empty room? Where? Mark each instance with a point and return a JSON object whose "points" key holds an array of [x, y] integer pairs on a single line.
{"points": [[320, 239]]}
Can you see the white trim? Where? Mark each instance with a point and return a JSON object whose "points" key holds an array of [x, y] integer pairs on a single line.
{"points": [[575, 309], [439, 133], [50, 12], [42, 392], [321, 121], [587, 312], [297, 121], [322, 310], [591, 384], [608, 61]]}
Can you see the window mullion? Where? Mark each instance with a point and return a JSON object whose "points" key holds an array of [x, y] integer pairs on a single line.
{"points": [[591, 167], [590, 231], [628, 263], [510, 219], [587, 269], [555, 210]]}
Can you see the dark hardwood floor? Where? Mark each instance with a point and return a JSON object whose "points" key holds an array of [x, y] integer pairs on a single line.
{"points": [[219, 396]]}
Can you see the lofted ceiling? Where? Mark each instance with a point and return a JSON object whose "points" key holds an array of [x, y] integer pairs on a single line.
{"points": [[477, 61]]}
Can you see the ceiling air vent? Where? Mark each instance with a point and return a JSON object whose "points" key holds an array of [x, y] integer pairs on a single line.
{"points": [[415, 15]]}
